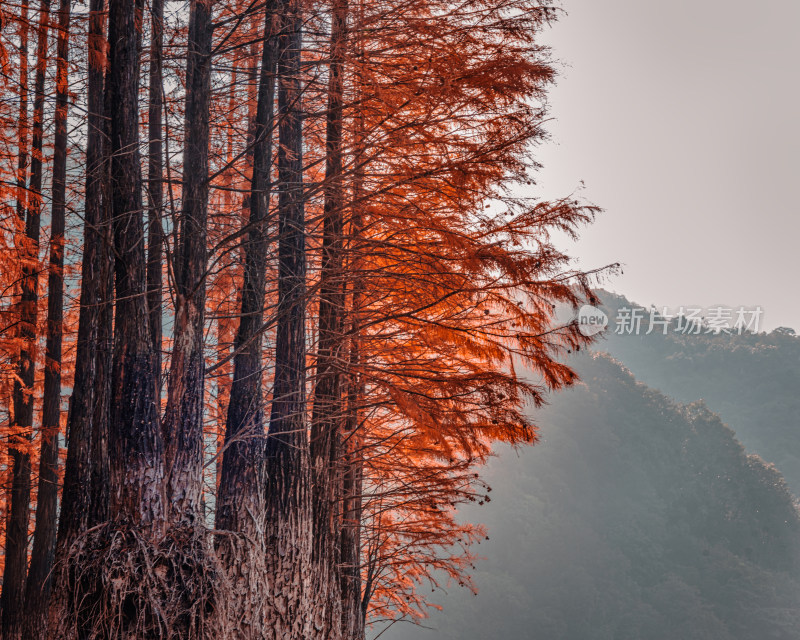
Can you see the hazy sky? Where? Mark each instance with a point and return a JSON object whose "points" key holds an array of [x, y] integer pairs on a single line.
{"points": [[681, 117]]}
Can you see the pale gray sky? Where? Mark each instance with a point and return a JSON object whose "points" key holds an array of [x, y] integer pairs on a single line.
{"points": [[681, 117]]}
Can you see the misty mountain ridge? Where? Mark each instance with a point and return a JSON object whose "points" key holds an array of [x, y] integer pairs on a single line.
{"points": [[751, 380], [644, 513]]}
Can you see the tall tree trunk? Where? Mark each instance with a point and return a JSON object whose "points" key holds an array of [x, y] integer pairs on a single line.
{"points": [[106, 255], [288, 501], [155, 190], [22, 140], [84, 461], [353, 615], [16, 556], [37, 590], [240, 500], [183, 420], [136, 446], [353, 605], [328, 414]]}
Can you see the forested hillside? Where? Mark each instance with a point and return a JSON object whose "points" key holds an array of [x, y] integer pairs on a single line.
{"points": [[634, 518], [752, 380]]}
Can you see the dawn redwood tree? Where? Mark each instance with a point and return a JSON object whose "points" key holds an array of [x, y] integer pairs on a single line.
{"points": [[95, 573], [374, 267], [135, 443], [16, 550], [183, 426], [241, 496], [240, 499], [85, 467], [155, 180], [288, 522], [22, 123], [37, 590], [328, 410]]}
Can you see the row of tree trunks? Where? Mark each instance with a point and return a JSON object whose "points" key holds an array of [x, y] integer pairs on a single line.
{"points": [[37, 590], [328, 411], [16, 552], [288, 522], [125, 469]]}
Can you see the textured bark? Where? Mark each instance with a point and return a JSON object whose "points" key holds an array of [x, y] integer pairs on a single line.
{"points": [[37, 590], [101, 412], [135, 444], [288, 499], [353, 611], [240, 499], [241, 494], [183, 420], [22, 140], [86, 465], [354, 604], [16, 552], [328, 414], [155, 179]]}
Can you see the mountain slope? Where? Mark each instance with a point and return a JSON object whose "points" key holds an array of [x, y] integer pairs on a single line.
{"points": [[751, 380], [634, 518]]}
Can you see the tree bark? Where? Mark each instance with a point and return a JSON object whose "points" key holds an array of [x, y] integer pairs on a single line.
{"points": [[16, 552], [183, 420], [288, 499], [22, 150], [354, 606], [353, 612], [155, 190], [136, 446], [241, 494], [37, 590], [328, 414], [86, 463], [240, 500]]}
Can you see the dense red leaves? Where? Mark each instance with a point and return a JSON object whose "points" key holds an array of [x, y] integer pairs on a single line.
{"points": [[451, 279]]}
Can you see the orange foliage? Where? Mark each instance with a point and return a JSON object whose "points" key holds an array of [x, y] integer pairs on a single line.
{"points": [[451, 276]]}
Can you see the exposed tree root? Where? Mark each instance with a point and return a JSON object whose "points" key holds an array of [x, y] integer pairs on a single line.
{"points": [[121, 585]]}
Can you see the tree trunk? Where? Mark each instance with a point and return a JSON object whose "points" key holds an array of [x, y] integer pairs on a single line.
{"points": [[183, 420], [22, 150], [354, 606], [16, 552], [328, 414], [353, 618], [38, 587], [288, 501], [135, 444], [240, 501], [84, 460], [101, 418], [155, 191]]}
